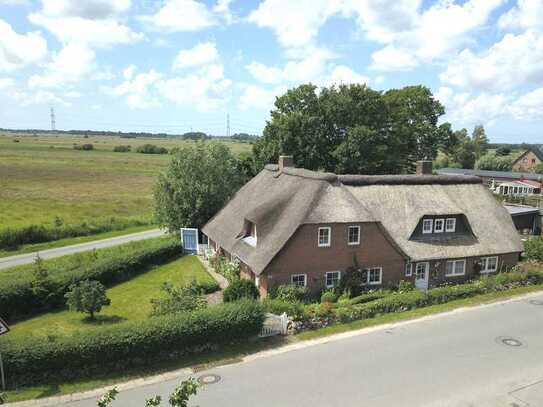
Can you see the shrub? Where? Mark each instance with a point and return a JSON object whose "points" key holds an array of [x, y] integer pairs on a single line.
{"points": [[239, 289], [85, 147], [179, 299], [369, 296], [19, 298], [533, 248], [294, 309], [116, 348], [406, 286], [87, 296], [289, 292], [122, 149], [328, 296], [12, 238], [229, 270], [151, 149], [494, 162]]}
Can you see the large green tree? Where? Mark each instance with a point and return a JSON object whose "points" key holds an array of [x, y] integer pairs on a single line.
{"points": [[353, 129], [199, 180], [480, 140]]}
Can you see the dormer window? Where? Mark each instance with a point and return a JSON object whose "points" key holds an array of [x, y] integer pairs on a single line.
{"points": [[450, 225], [439, 225], [427, 226], [250, 236]]}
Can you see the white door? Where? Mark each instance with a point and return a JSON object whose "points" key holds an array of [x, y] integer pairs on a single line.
{"points": [[421, 275]]}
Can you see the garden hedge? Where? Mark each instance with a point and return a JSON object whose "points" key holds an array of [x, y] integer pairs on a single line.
{"points": [[11, 238], [21, 296], [31, 361]]}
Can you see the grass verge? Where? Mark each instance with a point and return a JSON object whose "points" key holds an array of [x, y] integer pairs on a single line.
{"points": [[29, 248], [235, 353]]}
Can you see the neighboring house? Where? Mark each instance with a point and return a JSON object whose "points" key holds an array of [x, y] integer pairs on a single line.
{"points": [[503, 182], [291, 225], [527, 219], [528, 160]]}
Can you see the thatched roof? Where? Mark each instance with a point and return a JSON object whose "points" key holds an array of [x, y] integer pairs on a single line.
{"points": [[279, 202]]}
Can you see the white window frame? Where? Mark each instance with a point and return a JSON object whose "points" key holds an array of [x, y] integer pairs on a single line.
{"points": [[442, 228], [425, 267], [454, 273], [349, 235], [329, 243], [408, 269], [326, 279], [430, 222], [447, 228], [298, 275], [484, 261], [369, 270]]}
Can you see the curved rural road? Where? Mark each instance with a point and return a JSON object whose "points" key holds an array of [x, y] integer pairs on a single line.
{"points": [[6, 262]]}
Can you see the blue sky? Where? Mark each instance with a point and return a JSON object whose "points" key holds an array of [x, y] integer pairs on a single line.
{"points": [[177, 65]]}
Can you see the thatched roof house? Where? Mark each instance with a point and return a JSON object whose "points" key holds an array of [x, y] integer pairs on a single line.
{"points": [[306, 227]]}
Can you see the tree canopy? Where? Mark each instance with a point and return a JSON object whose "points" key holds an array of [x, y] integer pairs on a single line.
{"points": [[198, 181], [354, 129]]}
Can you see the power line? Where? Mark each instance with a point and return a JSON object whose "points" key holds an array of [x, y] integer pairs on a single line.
{"points": [[53, 122]]}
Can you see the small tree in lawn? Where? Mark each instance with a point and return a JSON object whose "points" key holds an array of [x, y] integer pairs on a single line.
{"points": [[87, 296]]}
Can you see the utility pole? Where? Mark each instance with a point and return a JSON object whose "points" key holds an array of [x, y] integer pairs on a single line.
{"points": [[228, 125], [53, 122]]}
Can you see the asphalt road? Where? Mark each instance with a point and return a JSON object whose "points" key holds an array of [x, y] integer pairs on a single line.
{"points": [[457, 359], [6, 262]]}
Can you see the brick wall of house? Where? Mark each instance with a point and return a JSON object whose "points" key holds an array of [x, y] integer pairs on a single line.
{"points": [[526, 163], [301, 255]]}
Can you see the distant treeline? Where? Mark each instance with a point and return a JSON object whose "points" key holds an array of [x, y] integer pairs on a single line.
{"points": [[192, 135], [521, 146]]}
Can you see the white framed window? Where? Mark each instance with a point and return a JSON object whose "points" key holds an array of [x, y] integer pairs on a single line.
{"points": [[450, 225], [332, 278], [489, 264], [353, 235], [373, 275], [439, 225], [408, 269], [299, 279], [427, 225], [455, 268], [324, 236]]}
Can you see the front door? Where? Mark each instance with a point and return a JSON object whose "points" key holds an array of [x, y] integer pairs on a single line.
{"points": [[421, 275]]}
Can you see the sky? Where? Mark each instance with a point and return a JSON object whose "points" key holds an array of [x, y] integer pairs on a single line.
{"points": [[180, 65]]}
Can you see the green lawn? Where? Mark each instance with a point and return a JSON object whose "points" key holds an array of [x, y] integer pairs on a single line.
{"points": [[130, 301], [29, 248]]}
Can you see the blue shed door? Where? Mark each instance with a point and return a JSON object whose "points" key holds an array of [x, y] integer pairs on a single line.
{"points": [[189, 239]]}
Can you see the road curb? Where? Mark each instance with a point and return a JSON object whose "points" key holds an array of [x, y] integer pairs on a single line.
{"points": [[141, 382]]}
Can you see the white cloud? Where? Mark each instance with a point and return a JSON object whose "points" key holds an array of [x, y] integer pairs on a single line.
{"points": [[6, 83], [296, 23], [264, 73], [70, 65], [391, 58], [222, 8], [90, 9], [96, 107], [258, 98], [137, 89], [527, 14], [467, 110], [18, 50], [72, 94], [206, 89], [14, 2], [180, 15], [40, 97], [94, 33], [201, 54], [344, 75], [514, 61], [528, 106]]}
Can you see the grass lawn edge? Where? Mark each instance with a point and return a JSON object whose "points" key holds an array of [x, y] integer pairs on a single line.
{"points": [[240, 353]]}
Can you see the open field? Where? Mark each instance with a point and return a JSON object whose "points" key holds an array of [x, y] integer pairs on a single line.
{"points": [[130, 301], [42, 177]]}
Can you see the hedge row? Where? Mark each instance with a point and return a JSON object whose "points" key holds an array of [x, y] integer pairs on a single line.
{"points": [[31, 361], [11, 238], [22, 294]]}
